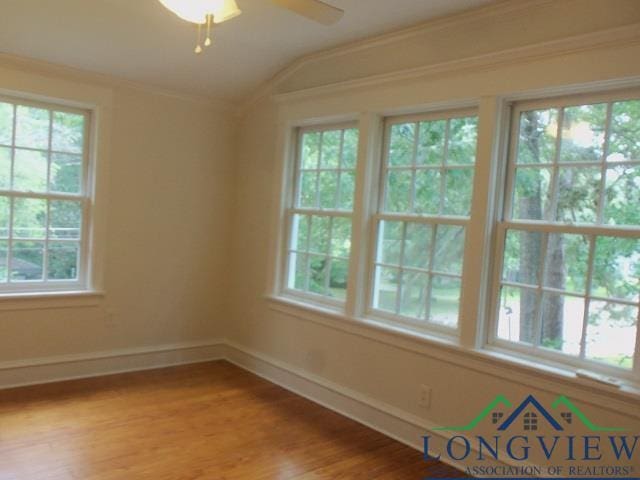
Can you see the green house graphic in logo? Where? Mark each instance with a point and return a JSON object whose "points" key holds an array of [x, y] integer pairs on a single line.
{"points": [[531, 412]]}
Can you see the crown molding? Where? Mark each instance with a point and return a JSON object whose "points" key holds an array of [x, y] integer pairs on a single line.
{"points": [[493, 10], [33, 65], [626, 35]]}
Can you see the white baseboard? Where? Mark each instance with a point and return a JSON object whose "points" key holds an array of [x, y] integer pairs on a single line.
{"points": [[69, 367], [386, 419]]}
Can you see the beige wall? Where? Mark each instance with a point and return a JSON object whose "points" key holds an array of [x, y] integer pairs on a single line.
{"points": [[191, 201], [382, 367], [168, 201]]}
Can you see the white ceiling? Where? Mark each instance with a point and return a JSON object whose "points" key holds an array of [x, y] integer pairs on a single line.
{"points": [[140, 40]]}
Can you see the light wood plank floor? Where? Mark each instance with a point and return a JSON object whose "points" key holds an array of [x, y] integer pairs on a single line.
{"points": [[207, 421]]}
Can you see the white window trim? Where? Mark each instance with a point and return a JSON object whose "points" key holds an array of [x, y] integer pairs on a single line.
{"points": [[84, 197], [290, 195], [98, 103], [478, 271], [377, 207], [501, 225]]}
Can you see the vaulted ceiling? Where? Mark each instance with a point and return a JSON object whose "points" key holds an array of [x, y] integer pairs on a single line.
{"points": [[141, 41]]}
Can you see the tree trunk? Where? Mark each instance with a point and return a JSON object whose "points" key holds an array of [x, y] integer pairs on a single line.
{"points": [[531, 206]]}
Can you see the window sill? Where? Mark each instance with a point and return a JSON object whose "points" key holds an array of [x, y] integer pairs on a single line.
{"points": [[555, 380], [48, 300]]}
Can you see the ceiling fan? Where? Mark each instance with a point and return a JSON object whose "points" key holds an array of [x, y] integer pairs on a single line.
{"points": [[205, 13]]}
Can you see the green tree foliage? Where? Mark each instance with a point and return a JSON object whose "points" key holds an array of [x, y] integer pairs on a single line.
{"points": [[47, 143], [617, 260]]}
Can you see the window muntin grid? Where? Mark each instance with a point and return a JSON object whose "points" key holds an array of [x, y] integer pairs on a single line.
{"points": [[427, 176]]}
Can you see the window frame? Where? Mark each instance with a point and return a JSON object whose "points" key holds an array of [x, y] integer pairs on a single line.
{"points": [[494, 142], [503, 223], [290, 210], [85, 281], [378, 214]]}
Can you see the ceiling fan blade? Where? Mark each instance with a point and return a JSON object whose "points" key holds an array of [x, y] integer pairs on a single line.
{"points": [[313, 9]]}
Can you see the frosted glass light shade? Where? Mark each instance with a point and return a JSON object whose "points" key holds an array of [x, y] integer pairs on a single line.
{"points": [[196, 11]]}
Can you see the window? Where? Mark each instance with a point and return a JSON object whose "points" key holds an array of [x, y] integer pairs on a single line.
{"points": [[320, 219], [427, 173], [553, 263], [44, 197], [570, 239]]}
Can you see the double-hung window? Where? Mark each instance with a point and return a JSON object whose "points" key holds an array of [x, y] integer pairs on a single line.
{"points": [[44, 197], [320, 216], [568, 262], [424, 203], [561, 235]]}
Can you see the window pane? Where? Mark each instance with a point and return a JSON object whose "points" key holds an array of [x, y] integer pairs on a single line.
{"points": [[30, 171], [567, 262], [458, 192], [5, 205], [463, 136], [347, 190], [448, 256], [4, 252], [402, 144], [391, 235], [428, 192], [625, 131], [65, 219], [331, 149], [417, 245], [310, 150], [517, 310], [68, 132], [611, 333], [328, 187], [386, 289], [66, 173], [350, 148], [300, 232], [538, 132], [616, 272], [29, 218], [6, 123], [318, 274], [62, 263], [622, 195], [319, 240], [522, 257], [298, 267], [578, 194], [27, 261], [32, 127], [431, 144], [5, 168], [562, 319], [307, 197], [398, 191], [445, 301], [341, 237], [532, 192], [414, 291], [583, 133], [338, 278]]}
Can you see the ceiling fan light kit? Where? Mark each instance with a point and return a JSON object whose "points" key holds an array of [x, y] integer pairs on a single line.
{"points": [[203, 13], [208, 12]]}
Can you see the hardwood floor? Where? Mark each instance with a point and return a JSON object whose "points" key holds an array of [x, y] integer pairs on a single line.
{"points": [[206, 421]]}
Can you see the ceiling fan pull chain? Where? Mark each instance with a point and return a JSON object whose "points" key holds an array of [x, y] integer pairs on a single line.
{"points": [[198, 46], [207, 40]]}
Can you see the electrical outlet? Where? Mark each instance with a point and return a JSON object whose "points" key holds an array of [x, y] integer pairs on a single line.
{"points": [[425, 396]]}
